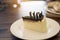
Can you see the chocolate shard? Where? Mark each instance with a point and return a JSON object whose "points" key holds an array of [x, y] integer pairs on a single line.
{"points": [[41, 16], [37, 16], [34, 16], [30, 15]]}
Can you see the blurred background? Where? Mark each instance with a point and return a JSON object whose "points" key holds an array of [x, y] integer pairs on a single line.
{"points": [[53, 6], [8, 15]]}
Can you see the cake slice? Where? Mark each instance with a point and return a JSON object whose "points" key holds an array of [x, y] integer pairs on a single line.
{"points": [[39, 26]]}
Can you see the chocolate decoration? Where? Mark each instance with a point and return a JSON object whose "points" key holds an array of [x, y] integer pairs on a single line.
{"points": [[38, 17], [41, 16]]}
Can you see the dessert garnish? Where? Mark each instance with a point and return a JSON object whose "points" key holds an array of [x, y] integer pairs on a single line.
{"points": [[34, 16]]}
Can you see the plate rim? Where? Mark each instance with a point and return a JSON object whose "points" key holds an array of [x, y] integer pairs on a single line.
{"points": [[52, 12]]}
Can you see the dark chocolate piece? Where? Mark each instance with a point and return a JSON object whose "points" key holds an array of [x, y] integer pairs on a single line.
{"points": [[41, 16], [38, 17], [30, 15]]}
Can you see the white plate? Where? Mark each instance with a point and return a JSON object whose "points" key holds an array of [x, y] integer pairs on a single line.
{"points": [[18, 30]]}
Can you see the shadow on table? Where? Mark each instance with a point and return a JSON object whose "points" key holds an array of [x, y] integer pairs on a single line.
{"points": [[15, 38]]}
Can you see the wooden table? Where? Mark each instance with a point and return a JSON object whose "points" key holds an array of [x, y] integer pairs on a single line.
{"points": [[7, 18]]}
